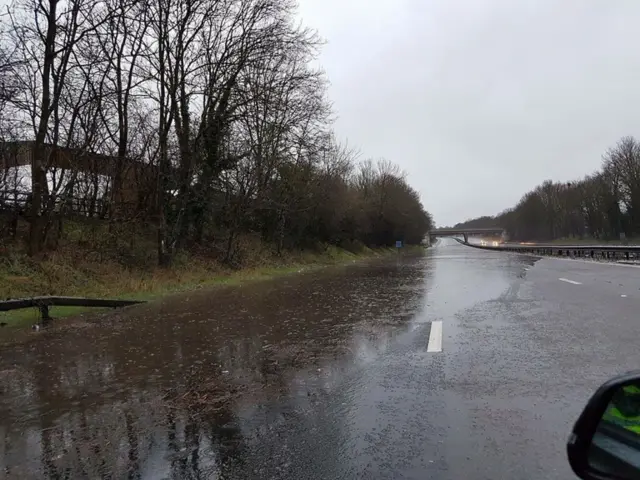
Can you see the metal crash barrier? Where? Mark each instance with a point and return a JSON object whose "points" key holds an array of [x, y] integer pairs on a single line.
{"points": [[43, 304], [596, 252]]}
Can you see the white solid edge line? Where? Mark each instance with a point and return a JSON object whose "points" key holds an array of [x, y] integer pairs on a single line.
{"points": [[569, 281], [435, 337]]}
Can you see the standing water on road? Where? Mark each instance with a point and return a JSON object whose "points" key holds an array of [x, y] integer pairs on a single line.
{"points": [[199, 383], [317, 375]]}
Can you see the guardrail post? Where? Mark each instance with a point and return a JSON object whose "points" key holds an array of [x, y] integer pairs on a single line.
{"points": [[44, 314]]}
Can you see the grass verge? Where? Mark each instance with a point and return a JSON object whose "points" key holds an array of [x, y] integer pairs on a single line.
{"points": [[76, 273]]}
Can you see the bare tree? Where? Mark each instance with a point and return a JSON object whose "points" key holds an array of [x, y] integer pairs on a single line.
{"points": [[208, 112], [603, 205], [47, 34]]}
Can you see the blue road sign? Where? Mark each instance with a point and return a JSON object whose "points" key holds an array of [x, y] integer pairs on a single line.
{"points": [[398, 243]]}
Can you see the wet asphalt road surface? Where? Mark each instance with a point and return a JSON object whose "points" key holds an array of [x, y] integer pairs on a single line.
{"points": [[331, 374]]}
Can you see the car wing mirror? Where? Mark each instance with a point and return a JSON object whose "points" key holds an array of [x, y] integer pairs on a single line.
{"points": [[605, 441]]}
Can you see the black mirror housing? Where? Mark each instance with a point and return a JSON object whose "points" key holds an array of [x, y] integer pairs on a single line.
{"points": [[581, 444]]}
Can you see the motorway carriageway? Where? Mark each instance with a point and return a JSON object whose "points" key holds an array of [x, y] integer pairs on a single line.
{"points": [[459, 364]]}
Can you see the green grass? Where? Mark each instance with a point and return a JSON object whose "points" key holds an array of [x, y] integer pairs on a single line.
{"points": [[28, 316], [67, 273]]}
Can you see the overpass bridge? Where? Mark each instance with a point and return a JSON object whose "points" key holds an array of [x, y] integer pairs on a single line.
{"points": [[465, 232]]}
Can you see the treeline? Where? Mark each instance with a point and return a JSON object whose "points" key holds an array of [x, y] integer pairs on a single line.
{"points": [[218, 106], [603, 205]]}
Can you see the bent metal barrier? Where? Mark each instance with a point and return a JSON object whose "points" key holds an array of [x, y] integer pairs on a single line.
{"points": [[596, 252], [43, 303]]}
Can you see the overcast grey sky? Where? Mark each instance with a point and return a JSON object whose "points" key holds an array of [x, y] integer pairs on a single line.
{"points": [[481, 100]]}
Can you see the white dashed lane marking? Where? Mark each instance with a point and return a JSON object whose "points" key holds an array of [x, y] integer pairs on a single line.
{"points": [[435, 337], [572, 282]]}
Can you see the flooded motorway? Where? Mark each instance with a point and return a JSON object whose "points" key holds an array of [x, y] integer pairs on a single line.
{"points": [[315, 375]]}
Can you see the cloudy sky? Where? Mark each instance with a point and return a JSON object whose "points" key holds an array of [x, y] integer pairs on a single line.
{"points": [[481, 100]]}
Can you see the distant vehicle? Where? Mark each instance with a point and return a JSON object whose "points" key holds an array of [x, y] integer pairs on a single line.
{"points": [[605, 441], [485, 243]]}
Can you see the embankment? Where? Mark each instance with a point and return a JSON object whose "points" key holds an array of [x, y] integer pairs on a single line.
{"points": [[74, 270]]}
